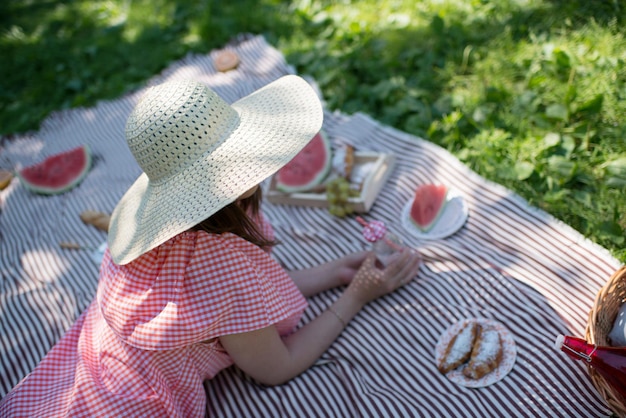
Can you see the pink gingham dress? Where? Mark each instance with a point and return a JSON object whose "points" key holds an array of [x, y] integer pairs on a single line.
{"points": [[151, 336]]}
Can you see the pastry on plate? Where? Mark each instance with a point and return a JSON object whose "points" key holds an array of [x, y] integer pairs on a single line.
{"points": [[459, 349], [486, 354]]}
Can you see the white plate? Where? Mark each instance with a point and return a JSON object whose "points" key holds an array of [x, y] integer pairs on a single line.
{"points": [[509, 353], [451, 220]]}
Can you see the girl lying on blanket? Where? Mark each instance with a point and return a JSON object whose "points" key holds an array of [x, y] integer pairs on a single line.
{"points": [[188, 285]]}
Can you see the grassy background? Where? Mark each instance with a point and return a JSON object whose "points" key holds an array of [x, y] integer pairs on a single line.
{"points": [[529, 93]]}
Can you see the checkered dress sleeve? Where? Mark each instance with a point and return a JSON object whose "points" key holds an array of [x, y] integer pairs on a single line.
{"points": [[195, 287]]}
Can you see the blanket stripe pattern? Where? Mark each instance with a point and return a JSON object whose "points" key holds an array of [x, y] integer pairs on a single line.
{"points": [[510, 262]]}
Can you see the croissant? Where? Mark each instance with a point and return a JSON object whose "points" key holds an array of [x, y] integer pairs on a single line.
{"points": [[486, 354], [98, 219], [459, 348]]}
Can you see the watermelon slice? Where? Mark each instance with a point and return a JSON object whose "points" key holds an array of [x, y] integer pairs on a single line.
{"points": [[308, 168], [57, 173], [428, 205]]}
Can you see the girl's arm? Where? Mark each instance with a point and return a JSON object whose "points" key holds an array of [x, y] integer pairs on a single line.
{"points": [[273, 360], [335, 273]]}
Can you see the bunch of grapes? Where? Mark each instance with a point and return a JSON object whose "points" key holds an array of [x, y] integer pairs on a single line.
{"points": [[338, 191]]}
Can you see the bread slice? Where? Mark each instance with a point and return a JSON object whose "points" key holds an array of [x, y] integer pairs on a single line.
{"points": [[486, 354], [459, 349]]}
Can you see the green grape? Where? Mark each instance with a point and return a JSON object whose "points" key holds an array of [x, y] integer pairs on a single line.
{"points": [[338, 193], [333, 210], [340, 211]]}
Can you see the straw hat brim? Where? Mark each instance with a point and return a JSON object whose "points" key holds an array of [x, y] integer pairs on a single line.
{"points": [[275, 123]]}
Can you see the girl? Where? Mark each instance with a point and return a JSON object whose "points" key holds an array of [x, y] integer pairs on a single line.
{"points": [[188, 285]]}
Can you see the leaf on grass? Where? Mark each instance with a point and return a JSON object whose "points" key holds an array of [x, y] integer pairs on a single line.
{"points": [[616, 167], [481, 114], [74, 84], [584, 197], [572, 92], [551, 140], [615, 173], [536, 80], [524, 169], [556, 196], [562, 58], [591, 106], [610, 230], [568, 144], [437, 25], [496, 95], [616, 182], [557, 111], [563, 167], [527, 100]]}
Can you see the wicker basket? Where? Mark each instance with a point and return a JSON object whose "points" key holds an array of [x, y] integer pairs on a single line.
{"points": [[601, 319]]}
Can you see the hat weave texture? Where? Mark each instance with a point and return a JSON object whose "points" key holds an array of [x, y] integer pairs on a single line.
{"points": [[198, 154]]}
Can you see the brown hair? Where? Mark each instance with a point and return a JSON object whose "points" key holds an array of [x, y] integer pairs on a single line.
{"points": [[236, 218]]}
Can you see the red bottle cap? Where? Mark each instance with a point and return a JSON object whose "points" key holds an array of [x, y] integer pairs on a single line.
{"points": [[373, 230]]}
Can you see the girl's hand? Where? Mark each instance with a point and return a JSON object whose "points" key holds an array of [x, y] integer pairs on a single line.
{"points": [[339, 272], [346, 267], [371, 282]]}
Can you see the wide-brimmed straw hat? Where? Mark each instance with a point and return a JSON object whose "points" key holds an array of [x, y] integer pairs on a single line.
{"points": [[198, 154]]}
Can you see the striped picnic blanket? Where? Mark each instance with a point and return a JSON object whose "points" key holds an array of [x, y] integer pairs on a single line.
{"points": [[510, 262]]}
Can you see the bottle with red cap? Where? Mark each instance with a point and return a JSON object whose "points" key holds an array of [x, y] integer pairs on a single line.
{"points": [[609, 362], [384, 242]]}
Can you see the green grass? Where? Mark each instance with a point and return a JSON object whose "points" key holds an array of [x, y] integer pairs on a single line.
{"points": [[530, 94]]}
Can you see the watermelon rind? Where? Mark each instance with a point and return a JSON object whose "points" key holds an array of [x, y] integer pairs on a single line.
{"points": [[318, 179], [427, 228], [28, 175]]}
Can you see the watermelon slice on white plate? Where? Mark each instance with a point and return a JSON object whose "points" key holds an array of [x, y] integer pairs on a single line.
{"points": [[434, 212], [428, 204]]}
